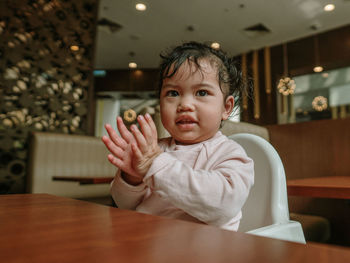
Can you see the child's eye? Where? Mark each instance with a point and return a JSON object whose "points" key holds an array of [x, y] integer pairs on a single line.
{"points": [[172, 93], [202, 93]]}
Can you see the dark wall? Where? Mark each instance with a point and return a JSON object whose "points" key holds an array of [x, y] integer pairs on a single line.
{"points": [[44, 85], [334, 52], [128, 80]]}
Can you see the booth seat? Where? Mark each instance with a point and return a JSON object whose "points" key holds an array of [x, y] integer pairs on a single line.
{"points": [[56, 154]]}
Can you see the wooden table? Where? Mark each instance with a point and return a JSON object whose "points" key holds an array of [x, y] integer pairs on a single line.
{"points": [[324, 187], [84, 180], [45, 228]]}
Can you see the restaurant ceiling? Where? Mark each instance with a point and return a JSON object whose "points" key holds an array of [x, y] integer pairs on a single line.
{"points": [[126, 34]]}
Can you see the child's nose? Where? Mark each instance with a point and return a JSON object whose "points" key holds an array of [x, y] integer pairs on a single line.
{"points": [[186, 104]]}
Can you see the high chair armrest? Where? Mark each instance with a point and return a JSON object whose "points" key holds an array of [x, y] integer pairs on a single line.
{"points": [[289, 231]]}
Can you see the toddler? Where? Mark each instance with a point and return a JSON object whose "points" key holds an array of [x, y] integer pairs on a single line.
{"points": [[197, 174]]}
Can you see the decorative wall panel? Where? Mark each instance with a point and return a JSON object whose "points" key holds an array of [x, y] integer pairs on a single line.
{"points": [[46, 58]]}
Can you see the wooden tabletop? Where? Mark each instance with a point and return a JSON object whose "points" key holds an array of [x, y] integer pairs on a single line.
{"points": [[45, 228], [84, 180], [324, 187]]}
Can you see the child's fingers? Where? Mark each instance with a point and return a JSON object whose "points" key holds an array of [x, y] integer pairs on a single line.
{"points": [[145, 128], [124, 132], [114, 149], [151, 124], [136, 151], [140, 139], [115, 161], [113, 135]]}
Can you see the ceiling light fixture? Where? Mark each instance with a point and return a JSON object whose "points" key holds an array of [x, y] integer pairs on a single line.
{"points": [[74, 48], [286, 85], [141, 7], [215, 45], [320, 103], [132, 65], [318, 68], [329, 7]]}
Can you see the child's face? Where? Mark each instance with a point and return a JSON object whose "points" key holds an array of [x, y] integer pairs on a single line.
{"points": [[192, 104]]}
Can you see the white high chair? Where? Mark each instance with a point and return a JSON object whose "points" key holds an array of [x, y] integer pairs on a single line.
{"points": [[266, 212]]}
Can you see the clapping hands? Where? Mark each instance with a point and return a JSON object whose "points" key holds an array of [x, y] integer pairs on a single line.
{"points": [[133, 152]]}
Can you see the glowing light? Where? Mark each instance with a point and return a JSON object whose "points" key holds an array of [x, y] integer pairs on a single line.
{"points": [[329, 7], [141, 7], [286, 86], [138, 73], [319, 103], [215, 45], [318, 69], [74, 48], [132, 65]]}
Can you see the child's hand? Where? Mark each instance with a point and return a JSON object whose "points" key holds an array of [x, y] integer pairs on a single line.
{"points": [[121, 152], [146, 148]]}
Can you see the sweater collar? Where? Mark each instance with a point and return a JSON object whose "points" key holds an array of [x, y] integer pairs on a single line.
{"points": [[174, 146]]}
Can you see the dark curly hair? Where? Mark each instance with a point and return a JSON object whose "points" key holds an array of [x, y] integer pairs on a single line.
{"points": [[229, 72]]}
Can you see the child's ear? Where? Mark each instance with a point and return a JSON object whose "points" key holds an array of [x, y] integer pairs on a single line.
{"points": [[229, 104]]}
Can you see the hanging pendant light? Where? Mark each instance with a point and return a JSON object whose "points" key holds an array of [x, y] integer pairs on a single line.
{"points": [[286, 85], [319, 103], [318, 68]]}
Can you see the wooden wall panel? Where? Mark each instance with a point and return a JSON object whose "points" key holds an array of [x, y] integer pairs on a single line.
{"points": [[128, 80], [311, 149], [335, 48]]}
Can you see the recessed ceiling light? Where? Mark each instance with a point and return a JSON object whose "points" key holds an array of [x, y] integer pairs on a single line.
{"points": [[132, 65], [318, 69], [215, 45], [329, 7], [141, 7]]}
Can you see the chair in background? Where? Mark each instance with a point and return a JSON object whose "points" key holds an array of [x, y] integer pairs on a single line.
{"points": [[56, 154], [266, 212]]}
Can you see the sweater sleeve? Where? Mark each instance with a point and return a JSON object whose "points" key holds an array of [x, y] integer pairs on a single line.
{"points": [[213, 196], [127, 196]]}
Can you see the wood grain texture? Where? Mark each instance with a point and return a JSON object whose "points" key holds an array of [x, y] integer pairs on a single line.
{"points": [[45, 228], [313, 149], [324, 187]]}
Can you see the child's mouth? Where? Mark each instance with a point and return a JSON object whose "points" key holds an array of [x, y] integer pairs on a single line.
{"points": [[186, 123]]}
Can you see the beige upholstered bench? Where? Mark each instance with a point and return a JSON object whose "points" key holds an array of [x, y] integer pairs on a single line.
{"points": [[53, 154]]}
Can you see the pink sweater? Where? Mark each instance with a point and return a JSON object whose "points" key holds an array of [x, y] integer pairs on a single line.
{"points": [[206, 182]]}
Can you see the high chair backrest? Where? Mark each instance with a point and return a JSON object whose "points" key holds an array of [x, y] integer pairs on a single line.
{"points": [[267, 203]]}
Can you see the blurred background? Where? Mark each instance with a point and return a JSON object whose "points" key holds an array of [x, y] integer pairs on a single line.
{"points": [[71, 66]]}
